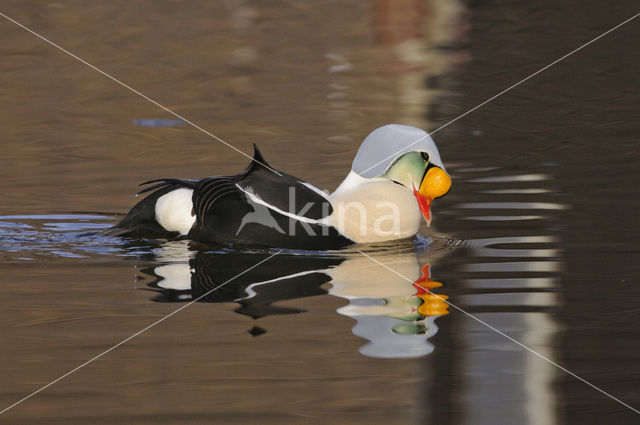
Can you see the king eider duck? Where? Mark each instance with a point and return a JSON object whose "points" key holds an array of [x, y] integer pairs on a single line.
{"points": [[395, 175]]}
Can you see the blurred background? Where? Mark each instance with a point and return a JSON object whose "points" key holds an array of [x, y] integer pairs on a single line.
{"points": [[538, 236]]}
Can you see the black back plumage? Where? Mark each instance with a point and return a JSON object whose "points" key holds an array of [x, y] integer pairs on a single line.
{"points": [[227, 215], [279, 189]]}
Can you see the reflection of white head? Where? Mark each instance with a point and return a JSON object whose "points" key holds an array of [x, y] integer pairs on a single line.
{"points": [[383, 145], [383, 302]]}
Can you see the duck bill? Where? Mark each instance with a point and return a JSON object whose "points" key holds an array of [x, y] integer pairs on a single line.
{"points": [[436, 183], [425, 205]]}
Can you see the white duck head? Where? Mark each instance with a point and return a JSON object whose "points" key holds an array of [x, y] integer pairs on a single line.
{"points": [[395, 176]]}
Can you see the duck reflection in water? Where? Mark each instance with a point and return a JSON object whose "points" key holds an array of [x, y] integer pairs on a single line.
{"points": [[395, 314]]}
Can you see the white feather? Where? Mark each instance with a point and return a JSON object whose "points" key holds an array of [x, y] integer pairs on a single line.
{"points": [[258, 200], [173, 211], [373, 210], [316, 189]]}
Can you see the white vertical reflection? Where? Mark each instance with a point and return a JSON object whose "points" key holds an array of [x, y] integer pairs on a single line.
{"points": [[540, 374], [502, 379], [514, 281]]}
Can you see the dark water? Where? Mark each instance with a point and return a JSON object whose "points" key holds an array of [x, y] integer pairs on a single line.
{"points": [[538, 237]]}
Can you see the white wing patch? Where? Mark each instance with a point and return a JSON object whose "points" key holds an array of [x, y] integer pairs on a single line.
{"points": [[173, 211], [258, 200]]}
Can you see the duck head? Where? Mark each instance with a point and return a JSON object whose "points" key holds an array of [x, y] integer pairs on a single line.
{"points": [[394, 178], [408, 156], [417, 173]]}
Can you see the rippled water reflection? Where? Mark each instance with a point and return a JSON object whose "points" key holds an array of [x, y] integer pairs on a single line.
{"points": [[392, 301], [512, 284], [395, 310]]}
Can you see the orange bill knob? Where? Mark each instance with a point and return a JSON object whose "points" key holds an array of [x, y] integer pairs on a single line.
{"points": [[435, 184]]}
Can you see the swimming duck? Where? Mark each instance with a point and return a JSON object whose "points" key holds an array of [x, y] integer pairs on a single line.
{"points": [[394, 177]]}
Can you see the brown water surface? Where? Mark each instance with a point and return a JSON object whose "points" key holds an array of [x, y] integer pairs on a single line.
{"points": [[538, 237]]}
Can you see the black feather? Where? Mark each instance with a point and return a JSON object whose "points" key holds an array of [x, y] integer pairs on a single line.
{"points": [[258, 162], [208, 191], [188, 183], [220, 204]]}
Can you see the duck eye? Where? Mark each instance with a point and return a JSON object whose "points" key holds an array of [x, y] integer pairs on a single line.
{"points": [[425, 156]]}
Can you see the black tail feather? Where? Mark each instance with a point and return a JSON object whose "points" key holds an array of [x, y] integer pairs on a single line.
{"points": [[188, 183], [258, 162]]}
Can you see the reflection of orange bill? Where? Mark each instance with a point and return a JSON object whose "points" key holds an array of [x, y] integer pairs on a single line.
{"points": [[434, 305], [425, 286], [424, 283]]}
